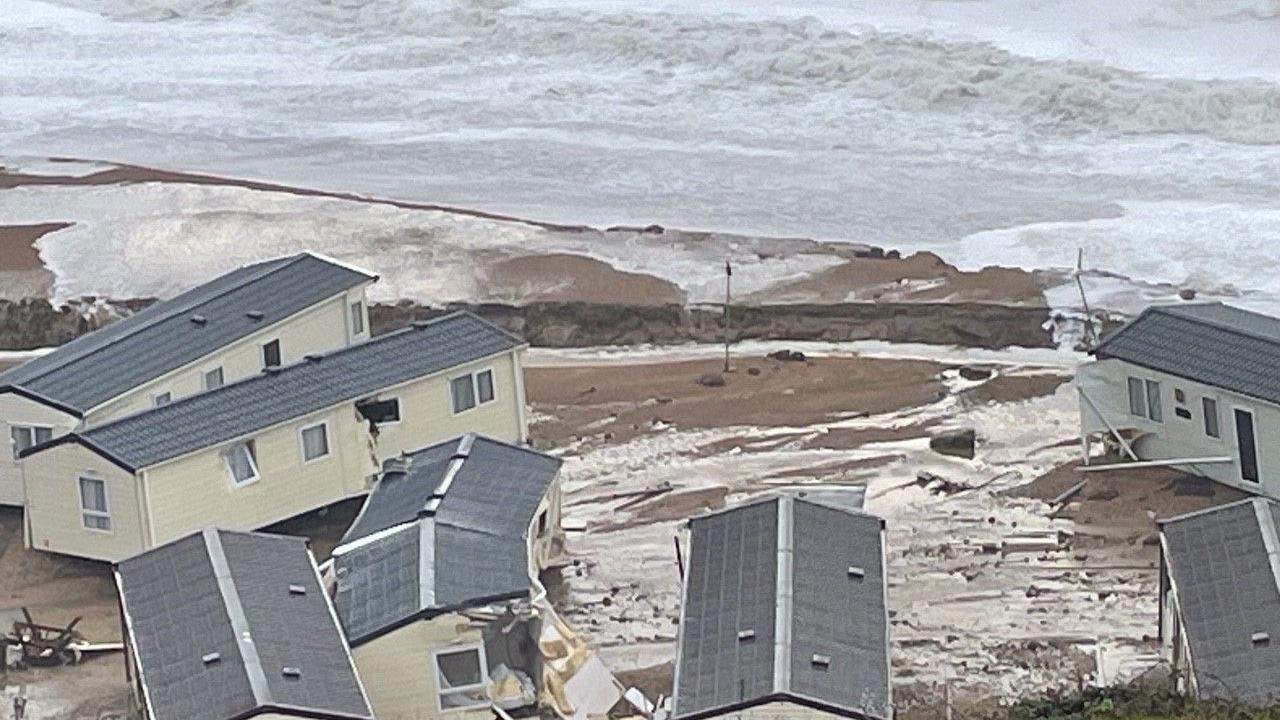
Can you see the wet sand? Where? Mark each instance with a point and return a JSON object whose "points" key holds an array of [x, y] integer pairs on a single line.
{"points": [[21, 272]]}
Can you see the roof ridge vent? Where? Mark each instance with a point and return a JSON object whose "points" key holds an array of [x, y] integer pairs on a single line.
{"points": [[421, 323], [293, 673], [297, 589], [464, 446], [198, 319], [255, 315], [211, 658]]}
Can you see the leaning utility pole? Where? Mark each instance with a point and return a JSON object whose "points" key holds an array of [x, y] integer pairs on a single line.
{"points": [[728, 273]]}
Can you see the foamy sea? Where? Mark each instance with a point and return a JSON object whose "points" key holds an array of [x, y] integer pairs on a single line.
{"points": [[990, 131]]}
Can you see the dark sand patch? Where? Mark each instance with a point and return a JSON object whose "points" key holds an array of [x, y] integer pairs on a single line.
{"points": [[616, 402], [562, 277], [920, 277], [22, 274], [1129, 499]]}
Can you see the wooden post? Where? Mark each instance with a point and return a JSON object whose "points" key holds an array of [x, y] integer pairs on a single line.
{"points": [[728, 274]]}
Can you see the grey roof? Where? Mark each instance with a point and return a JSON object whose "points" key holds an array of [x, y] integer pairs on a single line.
{"points": [[770, 586], [234, 594], [1210, 343], [449, 530], [271, 397], [475, 481], [102, 365], [1226, 587]]}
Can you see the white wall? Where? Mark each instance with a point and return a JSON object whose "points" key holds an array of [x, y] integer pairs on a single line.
{"points": [[1106, 383]]}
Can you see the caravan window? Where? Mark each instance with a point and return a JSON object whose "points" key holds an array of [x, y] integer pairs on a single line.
{"points": [[1137, 398], [357, 317], [380, 412], [461, 678], [315, 442], [1154, 410], [93, 504], [241, 463], [213, 379], [1211, 417], [25, 436]]}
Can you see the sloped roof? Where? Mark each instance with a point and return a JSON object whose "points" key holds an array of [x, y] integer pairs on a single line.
{"points": [[1225, 576], [445, 528], [1210, 343], [236, 595], [472, 481], [280, 394], [772, 589], [104, 364]]}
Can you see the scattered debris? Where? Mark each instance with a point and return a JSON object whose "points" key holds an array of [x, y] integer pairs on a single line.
{"points": [[976, 373], [787, 355], [960, 443]]}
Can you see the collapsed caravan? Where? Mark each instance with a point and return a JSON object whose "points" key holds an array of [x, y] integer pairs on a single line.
{"points": [[443, 563]]}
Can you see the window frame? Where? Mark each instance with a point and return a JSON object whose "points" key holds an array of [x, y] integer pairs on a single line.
{"points": [[302, 442], [31, 428], [356, 311], [86, 512], [1137, 402], [204, 378], [1205, 400], [279, 353], [453, 400], [155, 398], [253, 463], [474, 376], [1155, 401], [441, 691]]}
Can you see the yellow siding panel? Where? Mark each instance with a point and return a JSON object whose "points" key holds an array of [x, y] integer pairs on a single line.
{"points": [[196, 491], [427, 417], [18, 410], [397, 673], [53, 504]]}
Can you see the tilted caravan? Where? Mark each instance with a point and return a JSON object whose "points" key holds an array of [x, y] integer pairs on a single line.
{"points": [[264, 449], [1196, 387], [268, 313]]}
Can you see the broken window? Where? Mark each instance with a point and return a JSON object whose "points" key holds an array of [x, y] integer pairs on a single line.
{"points": [[213, 379], [25, 436], [1137, 398], [461, 678], [464, 395], [93, 504], [163, 398], [1210, 406], [271, 354], [241, 463], [380, 412], [315, 442]]}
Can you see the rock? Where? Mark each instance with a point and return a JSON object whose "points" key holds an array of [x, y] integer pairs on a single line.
{"points": [[976, 373], [1187, 293], [959, 443], [787, 355], [711, 380], [893, 255], [1103, 494], [753, 371]]}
